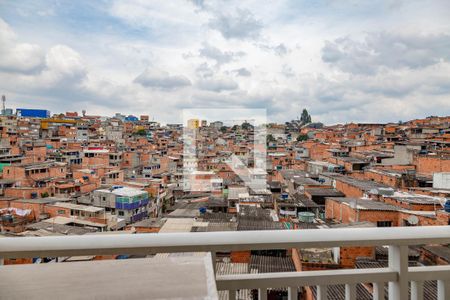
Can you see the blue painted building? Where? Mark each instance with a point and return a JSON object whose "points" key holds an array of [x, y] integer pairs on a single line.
{"points": [[127, 203], [131, 118], [32, 113]]}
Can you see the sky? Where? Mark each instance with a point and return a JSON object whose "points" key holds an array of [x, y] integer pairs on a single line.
{"points": [[346, 60]]}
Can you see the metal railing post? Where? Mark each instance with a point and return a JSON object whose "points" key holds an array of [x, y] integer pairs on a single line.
{"points": [[292, 293], [233, 295], [398, 262], [378, 290], [262, 294], [322, 292], [416, 290], [350, 291], [443, 289]]}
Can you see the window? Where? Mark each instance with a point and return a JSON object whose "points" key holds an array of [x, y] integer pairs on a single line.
{"points": [[61, 212], [121, 213], [384, 223]]}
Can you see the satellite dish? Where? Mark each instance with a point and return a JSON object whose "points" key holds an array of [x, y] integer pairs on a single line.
{"points": [[413, 220]]}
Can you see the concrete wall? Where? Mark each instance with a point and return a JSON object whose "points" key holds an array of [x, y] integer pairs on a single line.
{"points": [[441, 180]]}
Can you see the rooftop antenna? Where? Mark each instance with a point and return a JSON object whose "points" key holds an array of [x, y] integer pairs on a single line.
{"points": [[3, 104]]}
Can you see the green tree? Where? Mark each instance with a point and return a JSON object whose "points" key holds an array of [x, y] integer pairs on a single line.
{"points": [[302, 137], [246, 126], [141, 132], [305, 118], [270, 138]]}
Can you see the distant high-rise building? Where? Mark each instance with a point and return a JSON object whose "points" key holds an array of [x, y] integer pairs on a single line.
{"points": [[5, 111], [193, 123], [216, 124]]}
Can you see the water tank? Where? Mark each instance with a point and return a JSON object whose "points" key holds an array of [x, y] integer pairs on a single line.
{"points": [[284, 196], [202, 210], [447, 206], [306, 217], [34, 195], [7, 218]]}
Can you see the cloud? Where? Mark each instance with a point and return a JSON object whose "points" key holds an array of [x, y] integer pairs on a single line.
{"points": [[385, 50], [29, 68], [63, 62], [204, 71], [221, 57], [230, 54], [241, 25], [279, 50], [198, 3], [243, 72], [287, 71], [217, 84], [160, 79], [15, 56]]}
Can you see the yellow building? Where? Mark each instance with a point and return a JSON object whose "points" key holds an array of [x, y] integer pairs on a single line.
{"points": [[193, 123]]}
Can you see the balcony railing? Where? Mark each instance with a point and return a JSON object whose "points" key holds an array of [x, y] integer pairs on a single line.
{"points": [[397, 274]]}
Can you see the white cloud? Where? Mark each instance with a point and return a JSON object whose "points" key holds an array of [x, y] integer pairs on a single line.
{"points": [[217, 84], [219, 56], [386, 50], [231, 54], [64, 63], [243, 72], [15, 56], [240, 24], [160, 79]]}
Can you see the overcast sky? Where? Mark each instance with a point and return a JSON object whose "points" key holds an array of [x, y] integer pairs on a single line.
{"points": [[369, 61]]}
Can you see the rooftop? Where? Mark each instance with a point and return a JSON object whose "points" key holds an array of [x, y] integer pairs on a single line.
{"points": [[365, 204], [123, 191], [86, 208], [365, 185]]}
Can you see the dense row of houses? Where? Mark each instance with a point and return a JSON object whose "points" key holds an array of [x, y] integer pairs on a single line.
{"points": [[70, 174]]}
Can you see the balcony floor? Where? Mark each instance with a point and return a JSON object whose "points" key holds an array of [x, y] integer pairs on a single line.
{"points": [[162, 277]]}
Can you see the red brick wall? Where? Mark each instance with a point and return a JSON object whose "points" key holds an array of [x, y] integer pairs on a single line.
{"points": [[345, 214], [240, 256], [348, 255], [430, 165], [349, 190]]}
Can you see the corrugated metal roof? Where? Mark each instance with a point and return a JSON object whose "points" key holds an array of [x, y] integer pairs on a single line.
{"points": [[337, 292], [429, 287], [233, 269], [259, 225], [223, 268], [365, 204], [271, 264]]}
